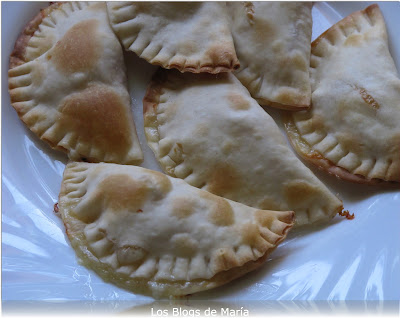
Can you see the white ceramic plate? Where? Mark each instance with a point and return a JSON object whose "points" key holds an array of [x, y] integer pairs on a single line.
{"points": [[347, 260]]}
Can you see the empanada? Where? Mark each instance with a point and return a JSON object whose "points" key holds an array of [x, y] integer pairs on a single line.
{"points": [[211, 133], [189, 36], [68, 84], [353, 128], [153, 234], [272, 41]]}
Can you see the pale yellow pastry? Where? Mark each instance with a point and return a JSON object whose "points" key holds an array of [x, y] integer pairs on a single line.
{"points": [[353, 128], [153, 234], [189, 36], [68, 84], [272, 41], [208, 131]]}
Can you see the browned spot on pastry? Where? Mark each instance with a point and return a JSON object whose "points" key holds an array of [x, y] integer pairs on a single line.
{"points": [[238, 102], [219, 54], [220, 211], [345, 23], [318, 122], [287, 96], [300, 63], [297, 192], [224, 179], [78, 50], [201, 130], [227, 147], [224, 259], [184, 245], [268, 203], [182, 207], [249, 8], [263, 31], [368, 99], [99, 117], [354, 40], [131, 254], [161, 185], [264, 219], [251, 234], [121, 192]]}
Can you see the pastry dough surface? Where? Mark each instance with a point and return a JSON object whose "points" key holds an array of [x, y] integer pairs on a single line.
{"points": [[189, 36], [272, 41], [153, 234], [67, 83], [211, 133], [353, 128]]}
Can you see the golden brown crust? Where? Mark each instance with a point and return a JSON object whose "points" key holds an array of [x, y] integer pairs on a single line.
{"points": [[97, 115], [217, 55], [274, 63], [325, 136], [122, 222], [186, 289], [347, 21], [168, 101], [59, 84], [207, 69], [17, 56], [321, 162], [176, 35], [219, 279]]}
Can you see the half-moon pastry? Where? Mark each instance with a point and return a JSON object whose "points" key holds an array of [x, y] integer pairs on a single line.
{"points": [[211, 133], [189, 36], [272, 41], [68, 84], [353, 128], [153, 234]]}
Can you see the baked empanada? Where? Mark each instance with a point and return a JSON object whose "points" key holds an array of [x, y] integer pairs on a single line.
{"points": [[189, 36], [353, 128], [68, 84], [153, 234], [208, 131], [272, 41]]}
